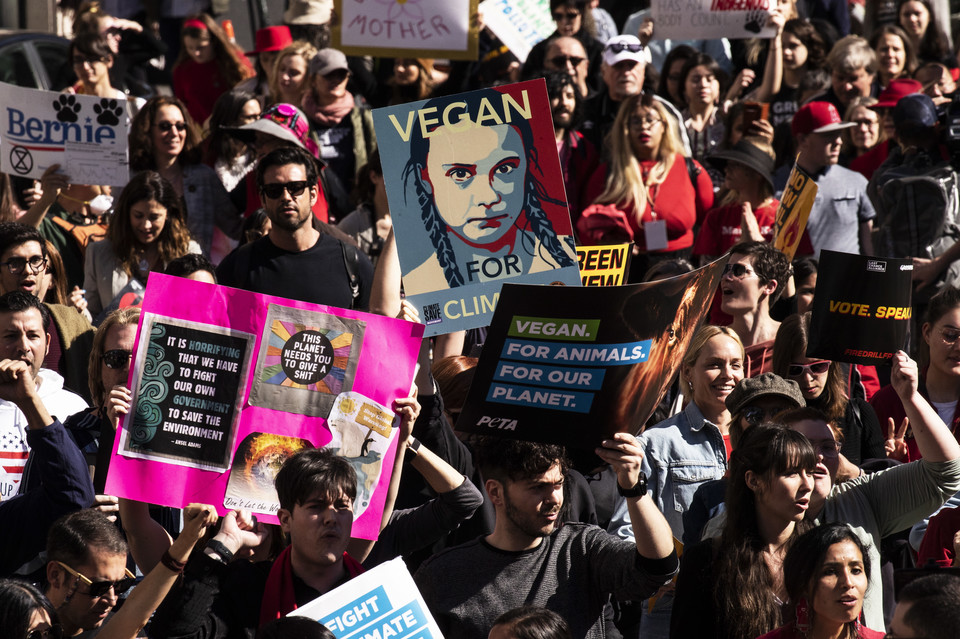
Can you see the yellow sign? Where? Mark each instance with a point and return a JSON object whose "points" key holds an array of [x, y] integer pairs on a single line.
{"points": [[604, 265], [794, 209], [376, 419]]}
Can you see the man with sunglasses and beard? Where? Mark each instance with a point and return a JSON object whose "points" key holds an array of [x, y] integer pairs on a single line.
{"points": [[86, 571], [295, 259], [530, 559]]}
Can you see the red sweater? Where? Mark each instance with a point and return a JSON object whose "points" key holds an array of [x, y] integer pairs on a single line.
{"points": [[675, 201]]}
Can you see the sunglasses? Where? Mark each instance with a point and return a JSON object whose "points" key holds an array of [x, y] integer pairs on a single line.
{"points": [[565, 15], [117, 358], [275, 191], [53, 632], [336, 77], [817, 368], [80, 60], [166, 126], [632, 47], [739, 271], [756, 414], [98, 589], [562, 60]]}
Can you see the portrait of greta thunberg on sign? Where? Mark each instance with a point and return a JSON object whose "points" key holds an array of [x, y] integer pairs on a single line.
{"points": [[476, 195]]}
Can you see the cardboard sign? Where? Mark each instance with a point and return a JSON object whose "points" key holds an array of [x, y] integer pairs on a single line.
{"points": [[519, 24], [604, 265], [862, 309], [708, 19], [228, 389], [477, 199], [85, 135], [382, 602], [407, 28], [793, 211], [573, 365]]}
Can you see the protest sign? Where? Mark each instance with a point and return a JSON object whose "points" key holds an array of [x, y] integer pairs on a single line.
{"points": [[228, 389], [604, 265], [573, 365], [477, 199], [708, 19], [407, 28], [85, 135], [519, 24], [382, 602], [862, 309], [793, 211]]}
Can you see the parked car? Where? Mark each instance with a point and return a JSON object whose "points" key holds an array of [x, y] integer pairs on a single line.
{"points": [[35, 59]]}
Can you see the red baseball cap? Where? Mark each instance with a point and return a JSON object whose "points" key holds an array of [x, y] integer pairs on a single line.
{"points": [[897, 89], [817, 117]]}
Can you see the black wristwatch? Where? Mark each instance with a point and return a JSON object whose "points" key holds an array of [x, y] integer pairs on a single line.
{"points": [[639, 489], [222, 551]]}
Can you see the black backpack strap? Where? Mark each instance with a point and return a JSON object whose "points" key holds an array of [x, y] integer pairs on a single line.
{"points": [[351, 263]]}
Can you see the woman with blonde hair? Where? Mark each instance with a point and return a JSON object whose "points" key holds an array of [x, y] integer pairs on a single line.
{"points": [[653, 194], [289, 81], [867, 134]]}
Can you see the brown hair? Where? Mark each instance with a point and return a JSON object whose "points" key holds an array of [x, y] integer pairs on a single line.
{"points": [[174, 239], [57, 293], [141, 135], [791, 343], [454, 375]]}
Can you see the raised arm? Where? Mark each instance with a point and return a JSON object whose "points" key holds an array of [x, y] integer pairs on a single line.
{"points": [[934, 439], [385, 293], [130, 618], [773, 69], [652, 533]]}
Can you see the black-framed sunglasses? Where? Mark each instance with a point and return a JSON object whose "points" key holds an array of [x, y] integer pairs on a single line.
{"points": [[561, 61], [53, 632], [737, 270], [15, 265], [817, 368], [117, 358], [756, 414], [80, 60], [632, 47], [338, 76], [98, 589], [565, 15], [166, 126], [275, 191]]}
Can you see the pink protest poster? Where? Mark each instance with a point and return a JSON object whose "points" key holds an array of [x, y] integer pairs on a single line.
{"points": [[226, 390]]}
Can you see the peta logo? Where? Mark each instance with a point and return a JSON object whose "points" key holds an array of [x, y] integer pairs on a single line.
{"points": [[877, 266], [501, 423]]}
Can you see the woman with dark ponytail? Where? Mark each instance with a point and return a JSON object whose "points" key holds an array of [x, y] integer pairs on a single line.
{"points": [[479, 190]]}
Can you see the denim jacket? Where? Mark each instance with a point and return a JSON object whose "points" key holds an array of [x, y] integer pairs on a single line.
{"points": [[679, 454]]}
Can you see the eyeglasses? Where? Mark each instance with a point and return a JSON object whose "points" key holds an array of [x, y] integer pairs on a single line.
{"points": [[948, 335], [816, 368], [80, 60], [275, 191], [559, 16], [562, 60], [166, 126], [867, 122], [53, 632], [739, 271], [15, 265], [98, 589], [756, 414], [117, 358], [632, 47], [647, 122]]}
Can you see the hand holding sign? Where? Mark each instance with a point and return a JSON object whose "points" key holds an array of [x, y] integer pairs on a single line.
{"points": [[623, 452]]}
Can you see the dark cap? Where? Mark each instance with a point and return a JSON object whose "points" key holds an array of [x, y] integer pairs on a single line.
{"points": [[327, 61], [916, 111], [765, 385], [749, 155]]}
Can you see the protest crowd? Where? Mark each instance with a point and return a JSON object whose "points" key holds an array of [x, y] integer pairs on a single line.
{"points": [[765, 494]]}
